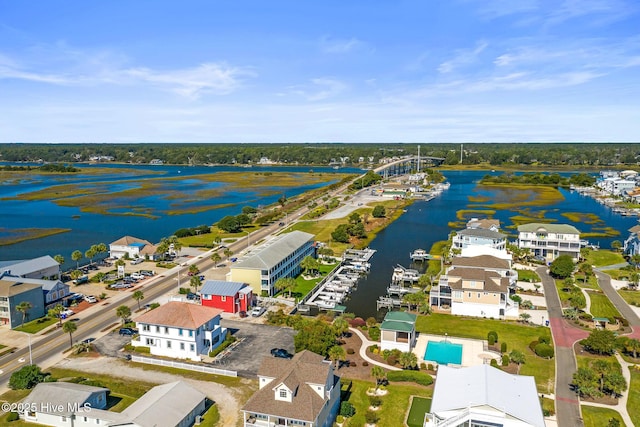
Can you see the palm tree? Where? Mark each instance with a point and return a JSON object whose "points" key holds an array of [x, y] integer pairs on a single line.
{"points": [[379, 374], [24, 308], [340, 325], [70, 328], [525, 317], [337, 353], [138, 296], [634, 346], [90, 253], [408, 360], [193, 270], [286, 284], [56, 312], [227, 253], [216, 258], [195, 282], [634, 280], [517, 357], [102, 248], [217, 240], [123, 312], [76, 256], [59, 259], [309, 264]]}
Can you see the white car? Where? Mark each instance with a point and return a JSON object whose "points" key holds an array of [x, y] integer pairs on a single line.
{"points": [[257, 311], [138, 276], [67, 313], [90, 299]]}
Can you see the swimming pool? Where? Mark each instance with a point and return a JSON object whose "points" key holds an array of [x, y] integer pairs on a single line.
{"points": [[443, 352]]}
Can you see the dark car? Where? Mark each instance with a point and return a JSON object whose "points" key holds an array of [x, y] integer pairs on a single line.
{"points": [[88, 340], [193, 297], [281, 352], [127, 331]]}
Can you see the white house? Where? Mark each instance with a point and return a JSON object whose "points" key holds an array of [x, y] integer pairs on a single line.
{"points": [[398, 331], [64, 404], [484, 223], [180, 330], [132, 247], [484, 396], [550, 240], [479, 237], [632, 243], [302, 391]]}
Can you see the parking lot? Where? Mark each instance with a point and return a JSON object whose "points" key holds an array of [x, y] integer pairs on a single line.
{"points": [[257, 342]]}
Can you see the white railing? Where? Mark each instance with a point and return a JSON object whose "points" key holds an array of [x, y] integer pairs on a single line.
{"points": [[182, 365]]}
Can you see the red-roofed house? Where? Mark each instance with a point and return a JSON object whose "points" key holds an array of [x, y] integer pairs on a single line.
{"points": [[181, 330]]}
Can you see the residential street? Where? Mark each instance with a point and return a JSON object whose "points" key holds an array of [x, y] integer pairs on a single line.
{"points": [[627, 312]]}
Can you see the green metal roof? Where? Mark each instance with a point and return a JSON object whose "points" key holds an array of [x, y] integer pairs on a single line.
{"points": [[551, 228], [392, 325], [400, 316]]}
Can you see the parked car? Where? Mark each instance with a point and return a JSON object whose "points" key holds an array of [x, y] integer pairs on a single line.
{"points": [[234, 259], [281, 352], [258, 311], [67, 313], [192, 297], [147, 273], [90, 299], [88, 340], [137, 261], [127, 331], [137, 276]]}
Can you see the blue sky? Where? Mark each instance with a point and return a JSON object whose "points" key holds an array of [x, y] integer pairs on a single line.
{"points": [[319, 71]]}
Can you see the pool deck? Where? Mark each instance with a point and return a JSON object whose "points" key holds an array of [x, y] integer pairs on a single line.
{"points": [[473, 352]]}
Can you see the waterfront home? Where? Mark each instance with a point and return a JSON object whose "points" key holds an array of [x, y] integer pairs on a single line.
{"points": [[549, 241], [62, 404], [398, 331], [43, 267], [477, 286], [231, 297], [13, 291], [278, 258], [132, 247], [180, 330], [632, 243], [484, 223], [479, 237], [302, 391], [484, 396]]}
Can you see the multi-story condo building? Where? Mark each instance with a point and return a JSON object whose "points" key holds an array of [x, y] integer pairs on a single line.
{"points": [[549, 241], [278, 258], [13, 291]]}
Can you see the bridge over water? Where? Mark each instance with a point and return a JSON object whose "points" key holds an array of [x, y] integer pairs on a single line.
{"points": [[406, 165]]}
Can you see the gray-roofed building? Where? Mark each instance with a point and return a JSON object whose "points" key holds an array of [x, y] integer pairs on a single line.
{"points": [[36, 268], [398, 331], [15, 290], [174, 404], [232, 297], [483, 395], [278, 258], [302, 391], [53, 291], [479, 237], [549, 241]]}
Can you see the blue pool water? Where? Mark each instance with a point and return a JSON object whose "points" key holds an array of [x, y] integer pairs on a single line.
{"points": [[443, 352]]}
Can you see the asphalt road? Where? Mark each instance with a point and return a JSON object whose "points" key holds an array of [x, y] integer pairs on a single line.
{"points": [[567, 403], [627, 312]]}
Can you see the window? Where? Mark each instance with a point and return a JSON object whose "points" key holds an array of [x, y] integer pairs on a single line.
{"points": [[149, 341], [478, 294], [168, 344], [181, 346], [190, 333], [166, 330], [283, 393], [158, 329], [192, 347], [180, 331], [223, 298], [145, 328]]}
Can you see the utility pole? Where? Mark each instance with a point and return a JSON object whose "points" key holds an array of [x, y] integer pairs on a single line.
{"points": [[461, 151], [418, 159]]}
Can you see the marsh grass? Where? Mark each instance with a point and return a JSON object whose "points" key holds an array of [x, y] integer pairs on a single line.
{"points": [[582, 217], [467, 214], [17, 235]]}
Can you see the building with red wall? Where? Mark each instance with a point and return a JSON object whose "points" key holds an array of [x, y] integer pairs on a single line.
{"points": [[231, 297]]}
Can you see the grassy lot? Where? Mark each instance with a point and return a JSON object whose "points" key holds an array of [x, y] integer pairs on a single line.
{"points": [[631, 297], [590, 283], [548, 405], [37, 325], [303, 287], [211, 417], [618, 274], [13, 396], [419, 407], [599, 417], [633, 402], [394, 404], [528, 276], [564, 296], [207, 239], [602, 307], [585, 359], [233, 382], [516, 335], [603, 257]]}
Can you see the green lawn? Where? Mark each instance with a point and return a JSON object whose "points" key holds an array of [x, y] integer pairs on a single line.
{"points": [[303, 287], [207, 239], [604, 257], [564, 296], [633, 402], [590, 283], [631, 297], [585, 359], [528, 276], [619, 274], [602, 307], [394, 404], [37, 325], [419, 407], [599, 417], [516, 335]]}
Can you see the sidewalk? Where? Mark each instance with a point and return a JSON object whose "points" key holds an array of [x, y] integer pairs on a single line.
{"points": [[363, 351]]}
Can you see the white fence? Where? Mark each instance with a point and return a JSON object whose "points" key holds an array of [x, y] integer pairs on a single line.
{"points": [[181, 365]]}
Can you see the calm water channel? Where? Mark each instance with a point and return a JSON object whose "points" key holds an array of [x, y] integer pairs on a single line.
{"points": [[425, 223]]}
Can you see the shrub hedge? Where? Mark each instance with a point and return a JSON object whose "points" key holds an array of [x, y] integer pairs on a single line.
{"points": [[410, 376]]}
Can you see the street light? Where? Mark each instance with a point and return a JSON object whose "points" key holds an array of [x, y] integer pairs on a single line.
{"points": [[30, 356]]}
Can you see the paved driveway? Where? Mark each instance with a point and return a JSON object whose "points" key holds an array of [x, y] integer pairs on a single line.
{"points": [[257, 342]]}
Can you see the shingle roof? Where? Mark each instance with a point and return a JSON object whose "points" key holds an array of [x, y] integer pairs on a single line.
{"points": [[179, 314], [22, 267], [550, 228], [220, 287], [488, 277], [482, 261], [60, 394], [481, 232], [164, 405], [46, 285], [483, 223], [271, 253], [459, 388], [635, 229], [128, 240], [14, 286], [305, 368]]}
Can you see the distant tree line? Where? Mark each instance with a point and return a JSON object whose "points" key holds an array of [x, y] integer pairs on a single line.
{"points": [[581, 179], [523, 154], [49, 167]]}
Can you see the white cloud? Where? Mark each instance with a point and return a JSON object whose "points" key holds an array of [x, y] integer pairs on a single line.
{"points": [[329, 45], [462, 58]]}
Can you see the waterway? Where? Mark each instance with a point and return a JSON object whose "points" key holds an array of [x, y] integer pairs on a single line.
{"points": [[91, 228], [425, 223]]}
